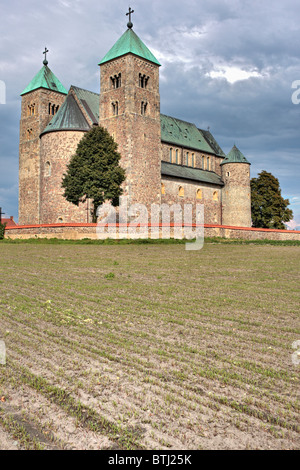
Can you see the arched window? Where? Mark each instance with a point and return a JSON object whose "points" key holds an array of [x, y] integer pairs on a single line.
{"points": [[208, 164], [171, 155], [52, 109], [48, 169], [163, 189], [203, 163], [181, 191], [199, 194], [215, 196], [31, 110], [143, 107], [143, 80], [116, 81], [115, 108]]}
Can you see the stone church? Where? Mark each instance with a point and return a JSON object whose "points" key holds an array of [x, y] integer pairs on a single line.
{"points": [[166, 160]]}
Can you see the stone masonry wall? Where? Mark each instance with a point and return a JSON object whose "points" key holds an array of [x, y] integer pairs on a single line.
{"points": [[138, 135], [175, 191], [57, 149], [236, 195], [31, 125], [89, 231]]}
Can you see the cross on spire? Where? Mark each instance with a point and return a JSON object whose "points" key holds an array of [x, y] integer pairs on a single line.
{"points": [[130, 24], [45, 52]]}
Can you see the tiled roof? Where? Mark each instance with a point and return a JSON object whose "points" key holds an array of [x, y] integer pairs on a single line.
{"points": [[129, 43], [9, 222], [89, 101], [188, 173], [68, 117], [213, 143], [185, 134], [45, 78], [235, 156]]}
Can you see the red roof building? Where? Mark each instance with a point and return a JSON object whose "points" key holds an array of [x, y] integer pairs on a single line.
{"points": [[9, 222]]}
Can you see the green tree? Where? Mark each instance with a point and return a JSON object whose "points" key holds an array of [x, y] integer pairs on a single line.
{"points": [[2, 230], [268, 208], [94, 171]]}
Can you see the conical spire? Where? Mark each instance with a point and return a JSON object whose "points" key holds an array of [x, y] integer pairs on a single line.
{"points": [[235, 156], [45, 78], [129, 43]]}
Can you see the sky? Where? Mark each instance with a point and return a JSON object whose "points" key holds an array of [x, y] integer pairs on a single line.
{"points": [[232, 66]]}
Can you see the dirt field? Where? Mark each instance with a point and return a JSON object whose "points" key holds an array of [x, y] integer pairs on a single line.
{"points": [[149, 347]]}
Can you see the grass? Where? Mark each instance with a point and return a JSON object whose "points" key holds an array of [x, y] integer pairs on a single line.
{"points": [[148, 346]]}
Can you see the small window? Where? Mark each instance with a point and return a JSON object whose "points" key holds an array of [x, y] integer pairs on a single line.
{"points": [[187, 159], [115, 108], [143, 108], [163, 189], [116, 81], [171, 155], [48, 169], [31, 110], [203, 163], [143, 80], [29, 134], [215, 196], [52, 109], [176, 156], [199, 194], [193, 160], [181, 191], [228, 173], [208, 164]]}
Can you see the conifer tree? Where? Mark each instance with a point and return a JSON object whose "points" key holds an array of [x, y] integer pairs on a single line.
{"points": [[94, 171], [268, 208]]}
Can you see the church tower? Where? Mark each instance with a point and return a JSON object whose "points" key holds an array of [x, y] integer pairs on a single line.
{"points": [[41, 100], [130, 111], [236, 193]]}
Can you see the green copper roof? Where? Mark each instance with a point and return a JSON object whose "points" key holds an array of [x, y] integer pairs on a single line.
{"points": [[129, 43], [188, 173], [213, 143], [184, 134], [235, 156], [68, 118], [45, 78], [89, 101]]}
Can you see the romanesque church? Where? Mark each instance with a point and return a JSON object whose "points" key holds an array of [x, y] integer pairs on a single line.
{"points": [[166, 160]]}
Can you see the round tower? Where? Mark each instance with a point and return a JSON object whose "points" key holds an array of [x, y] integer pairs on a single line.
{"points": [[236, 193], [59, 141]]}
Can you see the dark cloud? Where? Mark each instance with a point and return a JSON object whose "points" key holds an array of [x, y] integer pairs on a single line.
{"points": [[194, 41]]}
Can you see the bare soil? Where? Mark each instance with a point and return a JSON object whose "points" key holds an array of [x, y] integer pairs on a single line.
{"points": [[149, 347]]}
